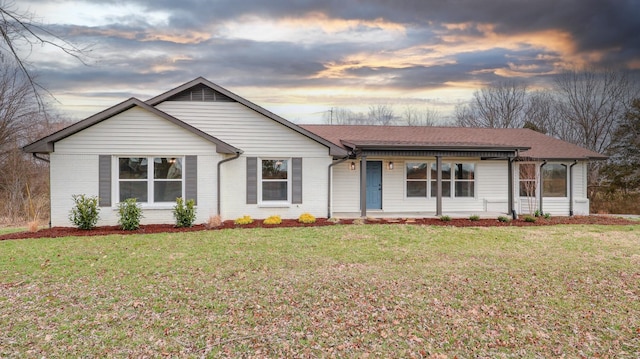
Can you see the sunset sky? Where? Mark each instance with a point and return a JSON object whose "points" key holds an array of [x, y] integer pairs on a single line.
{"points": [[301, 58]]}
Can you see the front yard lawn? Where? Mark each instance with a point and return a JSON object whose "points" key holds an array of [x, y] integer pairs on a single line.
{"points": [[345, 290]]}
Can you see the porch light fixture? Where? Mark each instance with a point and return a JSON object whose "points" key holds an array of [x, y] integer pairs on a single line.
{"points": [[352, 166], [390, 166]]}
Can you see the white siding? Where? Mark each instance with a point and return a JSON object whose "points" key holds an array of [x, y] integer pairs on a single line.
{"points": [[346, 187], [244, 128], [314, 190], [258, 136], [135, 131], [74, 164]]}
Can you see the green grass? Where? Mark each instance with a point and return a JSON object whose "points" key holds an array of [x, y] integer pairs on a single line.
{"points": [[348, 291], [7, 230]]}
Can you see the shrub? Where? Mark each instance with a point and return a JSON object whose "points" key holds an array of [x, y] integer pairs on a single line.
{"points": [[333, 220], [130, 213], [445, 218], [537, 213], [184, 213], [306, 218], [504, 219], [84, 213], [529, 219], [547, 215], [243, 220], [358, 221], [474, 217], [273, 220], [214, 222]]}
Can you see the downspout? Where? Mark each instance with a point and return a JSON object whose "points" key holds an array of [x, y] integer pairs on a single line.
{"points": [[541, 185], [439, 186], [218, 177], [510, 185], [575, 162], [329, 181]]}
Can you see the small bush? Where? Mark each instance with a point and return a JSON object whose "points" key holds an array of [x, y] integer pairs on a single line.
{"points": [[504, 219], [243, 220], [130, 213], [33, 225], [474, 217], [358, 221], [214, 222], [537, 213], [334, 220], [273, 220], [184, 213], [445, 218], [547, 215], [84, 213], [307, 218], [529, 219]]}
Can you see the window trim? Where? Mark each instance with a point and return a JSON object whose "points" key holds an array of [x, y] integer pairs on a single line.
{"points": [[150, 180], [275, 203]]}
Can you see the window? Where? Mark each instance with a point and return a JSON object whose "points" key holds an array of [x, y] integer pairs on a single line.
{"points": [[464, 181], [554, 180], [416, 179], [446, 180], [275, 180], [527, 179], [150, 179]]}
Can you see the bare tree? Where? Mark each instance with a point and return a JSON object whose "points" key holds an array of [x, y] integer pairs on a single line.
{"points": [[342, 116], [17, 109], [20, 29], [594, 104], [498, 106], [411, 116], [381, 115]]}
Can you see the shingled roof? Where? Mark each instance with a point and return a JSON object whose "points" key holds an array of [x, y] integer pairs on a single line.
{"points": [[530, 144]]}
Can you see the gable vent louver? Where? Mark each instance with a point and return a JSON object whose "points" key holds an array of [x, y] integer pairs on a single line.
{"points": [[201, 93]]}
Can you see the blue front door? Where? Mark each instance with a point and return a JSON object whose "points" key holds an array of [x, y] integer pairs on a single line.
{"points": [[374, 185]]}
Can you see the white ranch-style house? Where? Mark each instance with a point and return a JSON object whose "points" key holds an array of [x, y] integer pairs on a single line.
{"points": [[200, 141]]}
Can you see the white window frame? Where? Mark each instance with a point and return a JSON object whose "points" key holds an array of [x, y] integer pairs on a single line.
{"points": [[278, 203], [426, 180], [150, 180]]}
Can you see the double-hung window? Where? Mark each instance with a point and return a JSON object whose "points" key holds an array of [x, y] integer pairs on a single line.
{"points": [[416, 179], [275, 180], [446, 180], [150, 179], [527, 178], [464, 181]]}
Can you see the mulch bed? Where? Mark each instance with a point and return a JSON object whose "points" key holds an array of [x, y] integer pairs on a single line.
{"points": [[56, 232]]}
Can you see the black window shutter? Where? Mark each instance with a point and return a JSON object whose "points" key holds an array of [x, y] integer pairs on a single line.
{"points": [[191, 178], [252, 180], [104, 181], [296, 180]]}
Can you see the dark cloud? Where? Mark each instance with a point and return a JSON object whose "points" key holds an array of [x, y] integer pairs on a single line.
{"points": [[134, 51]]}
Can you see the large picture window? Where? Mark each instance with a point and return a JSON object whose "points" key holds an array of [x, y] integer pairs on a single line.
{"points": [[554, 180], [416, 179], [275, 180], [150, 179]]}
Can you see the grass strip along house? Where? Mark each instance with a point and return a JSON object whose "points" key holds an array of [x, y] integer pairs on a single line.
{"points": [[200, 141]]}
